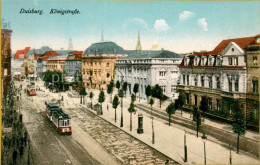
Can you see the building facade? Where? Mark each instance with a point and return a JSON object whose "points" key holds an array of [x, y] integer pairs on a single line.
{"points": [[220, 75], [18, 61], [98, 62], [41, 65], [73, 65], [5, 59], [150, 68], [56, 63], [253, 83]]}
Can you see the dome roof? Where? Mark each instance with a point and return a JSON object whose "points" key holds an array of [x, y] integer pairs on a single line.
{"points": [[104, 48]]}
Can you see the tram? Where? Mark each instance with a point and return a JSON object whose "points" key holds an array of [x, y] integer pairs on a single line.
{"points": [[50, 107], [31, 90]]}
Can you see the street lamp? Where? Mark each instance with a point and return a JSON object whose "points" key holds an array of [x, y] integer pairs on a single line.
{"points": [[185, 148], [204, 139]]}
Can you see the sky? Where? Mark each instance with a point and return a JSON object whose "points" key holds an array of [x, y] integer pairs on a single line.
{"points": [[179, 26]]}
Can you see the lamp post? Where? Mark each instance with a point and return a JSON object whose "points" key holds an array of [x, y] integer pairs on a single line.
{"points": [[204, 139], [230, 155], [185, 148]]}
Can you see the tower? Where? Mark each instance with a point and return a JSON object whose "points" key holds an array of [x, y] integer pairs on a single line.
{"points": [[138, 44], [70, 44], [102, 36]]}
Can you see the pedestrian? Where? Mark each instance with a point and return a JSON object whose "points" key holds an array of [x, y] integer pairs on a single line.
{"points": [[14, 156], [107, 107]]}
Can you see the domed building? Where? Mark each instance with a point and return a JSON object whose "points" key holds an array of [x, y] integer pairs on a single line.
{"points": [[98, 62]]}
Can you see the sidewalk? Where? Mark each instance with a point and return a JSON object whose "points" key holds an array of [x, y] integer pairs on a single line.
{"points": [[227, 127], [170, 140]]}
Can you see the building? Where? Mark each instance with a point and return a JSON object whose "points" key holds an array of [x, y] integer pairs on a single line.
{"points": [[41, 65], [18, 60], [149, 68], [73, 65], [56, 63], [98, 62], [220, 75], [253, 83], [5, 59]]}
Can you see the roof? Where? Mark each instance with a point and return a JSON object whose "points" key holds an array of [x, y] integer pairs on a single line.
{"points": [[57, 58], [241, 42], [48, 54], [135, 54], [21, 54], [52, 105], [42, 50], [36, 56], [60, 114], [104, 48], [77, 55]]}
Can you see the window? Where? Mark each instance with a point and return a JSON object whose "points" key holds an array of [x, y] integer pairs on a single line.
{"points": [[187, 98], [202, 81], [210, 60], [218, 82], [210, 103], [173, 88], [236, 61], [232, 49], [196, 81], [255, 86], [255, 60], [218, 105], [183, 78], [188, 79], [162, 73], [186, 61], [230, 62], [236, 85], [195, 61], [195, 100], [230, 84], [210, 81], [107, 64], [255, 112], [202, 60], [163, 88]]}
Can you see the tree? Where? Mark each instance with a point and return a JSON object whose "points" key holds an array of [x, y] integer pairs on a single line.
{"points": [[115, 104], [121, 95], [180, 102], [117, 85], [110, 90], [101, 99], [157, 92], [163, 98], [238, 124], [148, 92], [204, 105], [82, 94], [131, 109], [91, 95], [170, 110], [197, 118], [124, 87], [151, 102], [136, 89]]}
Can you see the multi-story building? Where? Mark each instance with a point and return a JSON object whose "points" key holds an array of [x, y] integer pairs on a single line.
{"points": [[18, 61], [253, 83], [5, 59], [150, 68], [73, 65], [56, 63], [220, 75], [98, 62], [41, 65]]}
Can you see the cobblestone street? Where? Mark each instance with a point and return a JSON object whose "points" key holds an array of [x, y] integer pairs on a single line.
{"points": [[126, 148]]}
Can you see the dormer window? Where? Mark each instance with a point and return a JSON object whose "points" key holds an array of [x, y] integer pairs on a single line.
{"points": [[203, 61], [195, 60], [218, 62], [210, 60], [230, 61], [255, 61], [187, 59], [235, 61]]}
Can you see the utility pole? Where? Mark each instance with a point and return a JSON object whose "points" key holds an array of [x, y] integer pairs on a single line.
{"points": [[185, 149]]}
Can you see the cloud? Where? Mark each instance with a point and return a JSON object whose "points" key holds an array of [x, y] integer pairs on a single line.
{"points": [[134, 21], [203, 24], [185, 15], [161, 25]]}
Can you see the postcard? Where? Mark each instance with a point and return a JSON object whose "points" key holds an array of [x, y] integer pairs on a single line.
{"points": [[129, 82]]}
